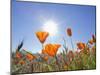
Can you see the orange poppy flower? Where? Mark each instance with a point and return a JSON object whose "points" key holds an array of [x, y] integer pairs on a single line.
{"points": [[69, 32], [51, 49], [91, 41], [45, 58], [94, 38], [81, 45], [22, 62], [42, 36], [18, 55], [30, 56]]}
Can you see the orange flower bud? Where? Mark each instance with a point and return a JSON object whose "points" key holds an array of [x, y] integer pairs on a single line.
{"points": [[45, 58], [22, 62], [94, 38], [69, 32], [81, 45], [91, 41]]}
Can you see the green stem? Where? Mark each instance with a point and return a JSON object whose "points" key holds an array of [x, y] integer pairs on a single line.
{"points": [[64, 41], [72, 44], [42, 46]]}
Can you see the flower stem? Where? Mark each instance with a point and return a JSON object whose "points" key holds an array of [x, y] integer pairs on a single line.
{"points": [[72, 44], [42, 46]]}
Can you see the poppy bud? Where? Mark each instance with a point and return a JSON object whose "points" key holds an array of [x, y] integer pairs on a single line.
{"points": [[69, 32]]}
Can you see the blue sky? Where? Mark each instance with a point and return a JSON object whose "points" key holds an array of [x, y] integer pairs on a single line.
{"points": [[29, 17]]}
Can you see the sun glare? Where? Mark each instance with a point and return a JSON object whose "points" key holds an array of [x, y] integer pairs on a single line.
{"points": [[50, 27]]}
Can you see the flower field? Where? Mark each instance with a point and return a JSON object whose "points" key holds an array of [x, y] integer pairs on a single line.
{"points": [[81, 58]]}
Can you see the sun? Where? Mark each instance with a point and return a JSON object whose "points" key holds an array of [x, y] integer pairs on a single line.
{"points": [[50, 27]]}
